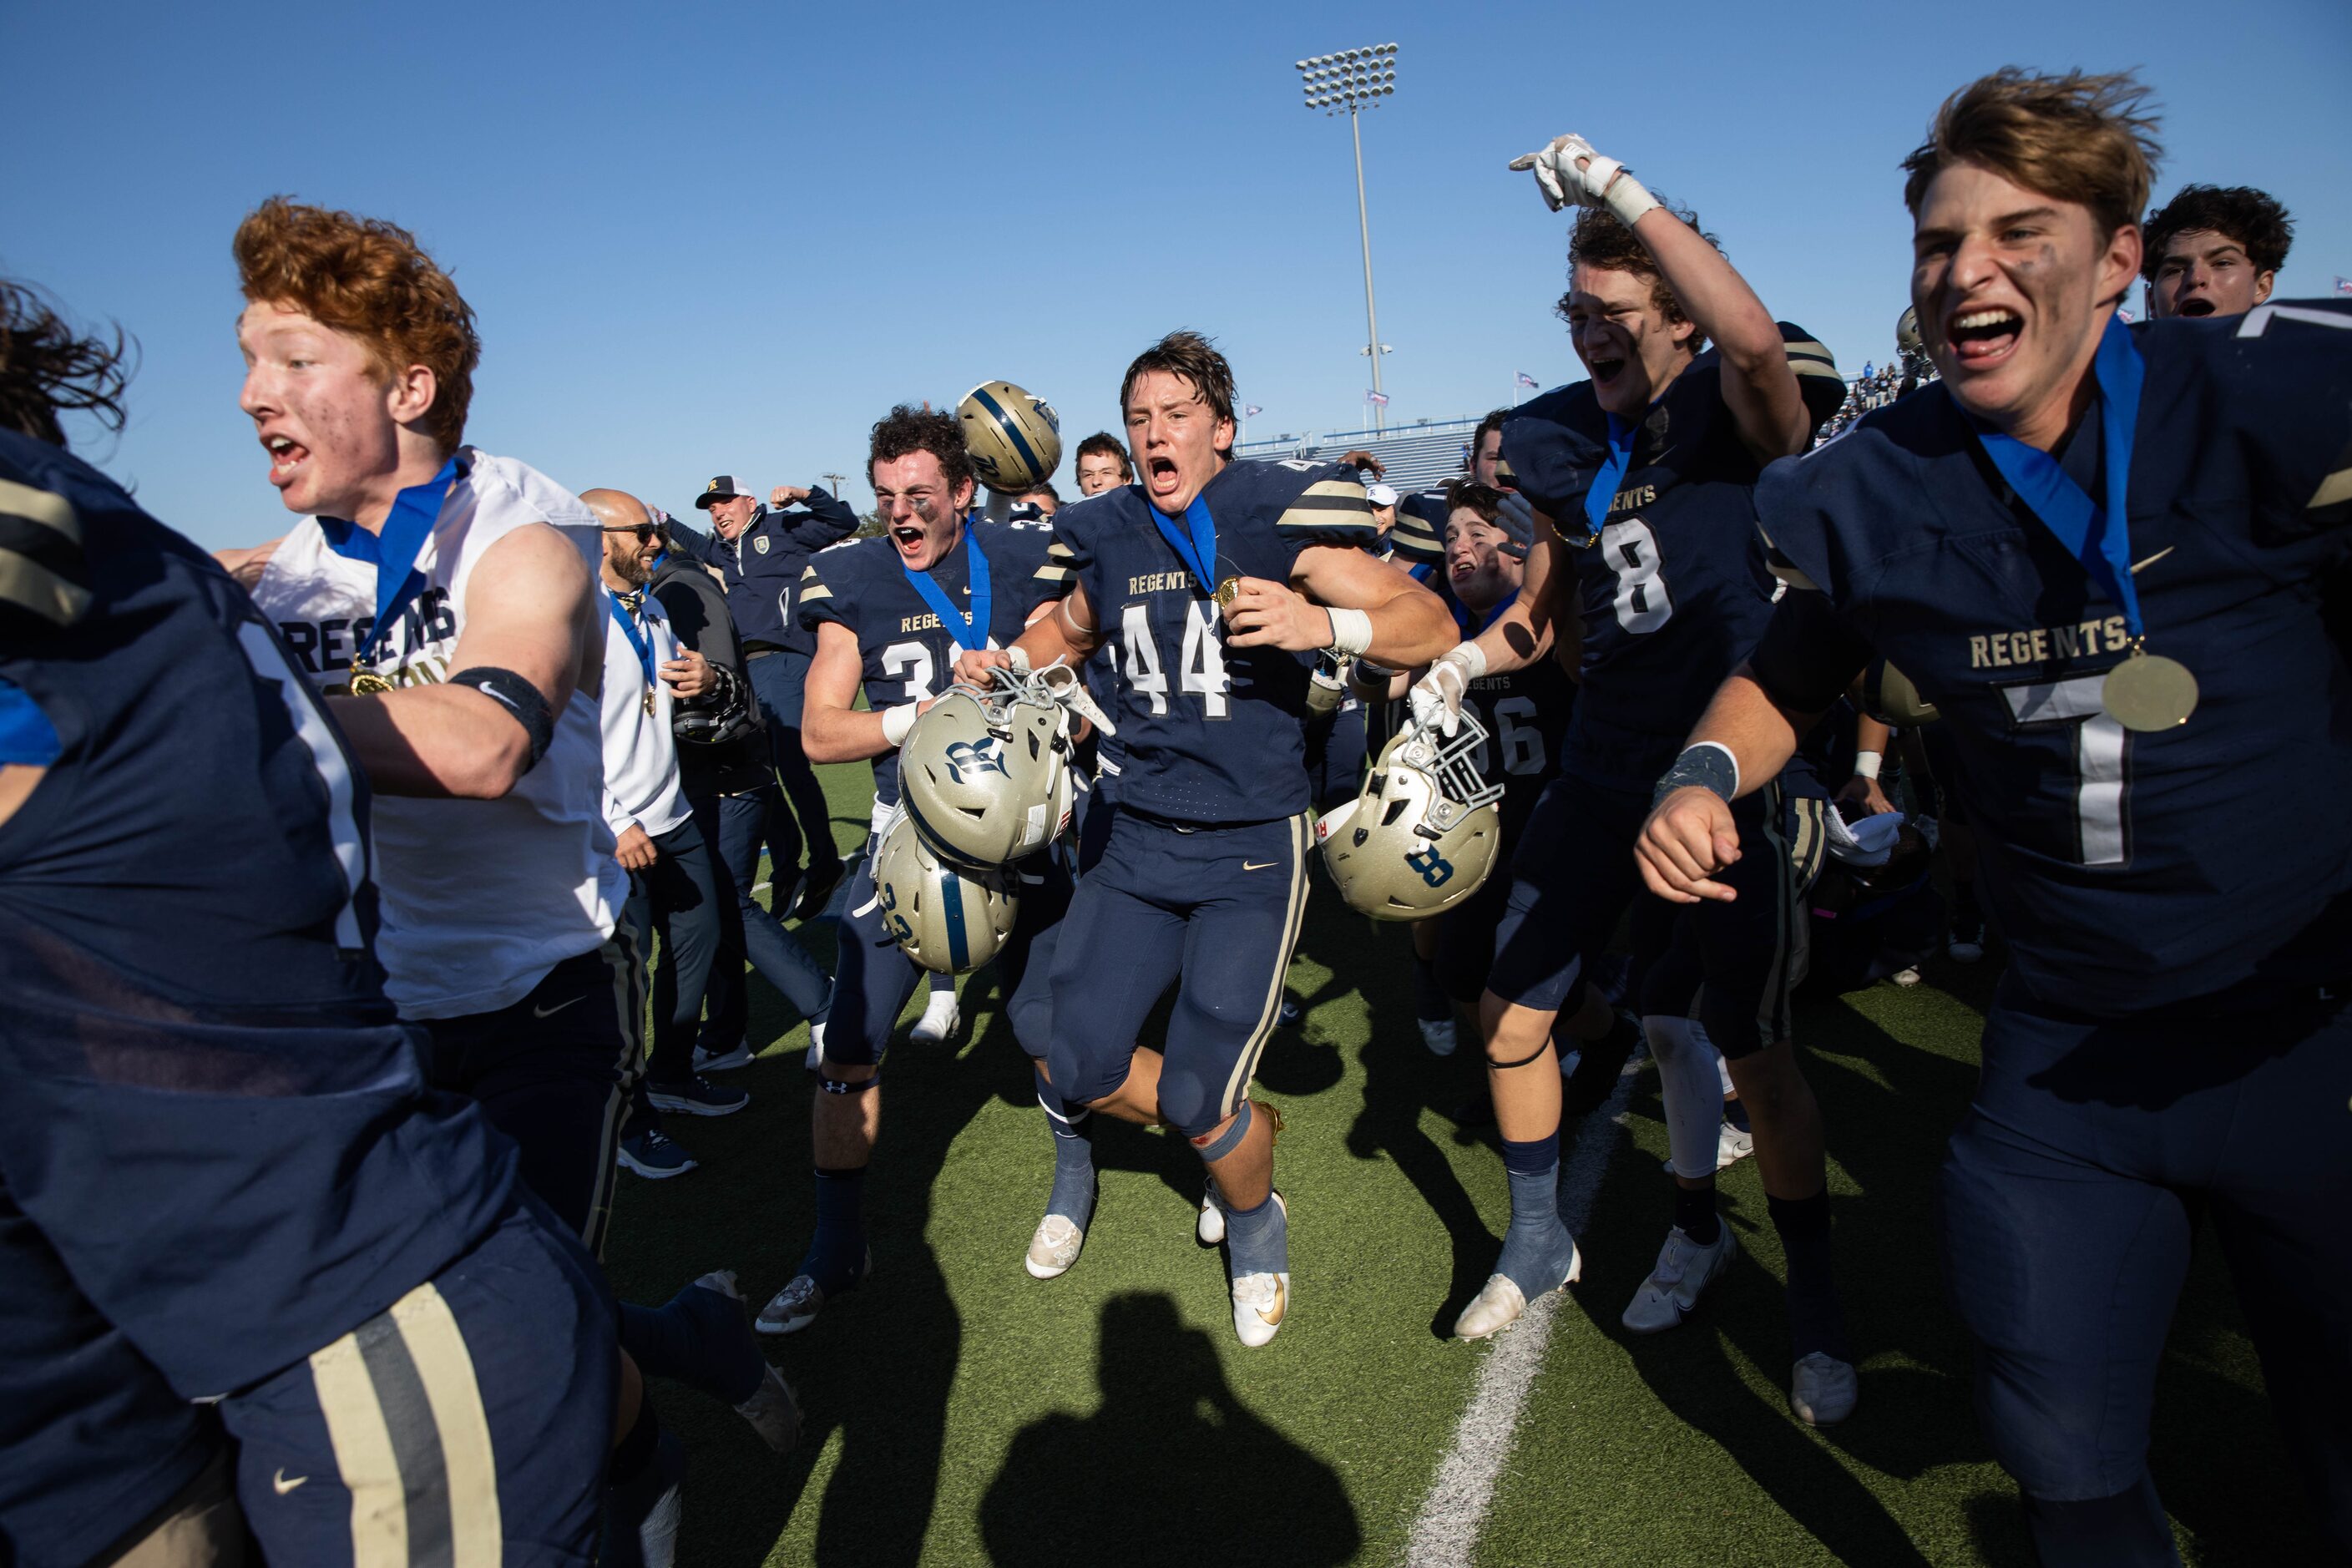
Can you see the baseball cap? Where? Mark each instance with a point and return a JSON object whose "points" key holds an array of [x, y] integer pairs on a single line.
{"points": [[1381, 494], [726, 487]]}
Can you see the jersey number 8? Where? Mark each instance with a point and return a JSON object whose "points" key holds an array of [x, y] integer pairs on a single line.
{"points": [[1631, 552]]}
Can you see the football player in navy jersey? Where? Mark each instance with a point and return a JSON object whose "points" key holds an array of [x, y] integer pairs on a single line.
{"points": [[1103, 465], [1214, 576], [2097, 549], [1645, 552], [222, 1175], [878, 628], [2214, 251]]}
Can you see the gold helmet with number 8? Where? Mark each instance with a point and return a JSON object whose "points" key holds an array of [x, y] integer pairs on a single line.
{"points": [[948, 920], [985, 777], [1423, 833], [1014, 439]]}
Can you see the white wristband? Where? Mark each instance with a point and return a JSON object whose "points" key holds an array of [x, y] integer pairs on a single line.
{"points": [[1628, 198], [1472, 657], [1351, 631], [1866, 764], [898, 720]]}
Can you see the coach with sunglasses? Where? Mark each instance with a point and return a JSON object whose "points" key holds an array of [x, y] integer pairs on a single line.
{"points": [[761, 550]]}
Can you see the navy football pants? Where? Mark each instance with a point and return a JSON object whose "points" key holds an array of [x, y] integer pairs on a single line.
{"points": [[2067, 1203], [1214, 912], [554, 1072], [466, 1423], [873, 979]]}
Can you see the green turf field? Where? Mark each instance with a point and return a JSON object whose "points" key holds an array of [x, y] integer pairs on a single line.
{"points": [[960, 1412]]}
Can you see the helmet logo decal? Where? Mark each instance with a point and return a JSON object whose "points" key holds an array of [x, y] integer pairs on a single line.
{"points": [[981, 756], [1435, 869]]}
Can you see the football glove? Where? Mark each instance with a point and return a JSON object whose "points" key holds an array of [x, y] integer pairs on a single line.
{"points": [[1435, 699], [1569, 171]]}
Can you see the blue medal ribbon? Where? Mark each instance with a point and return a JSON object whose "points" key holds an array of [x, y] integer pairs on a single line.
{"points": [[1461, 614], [1198, 552], [395, 550], [1605, 483], [2098, 537], [971, 633], [642, 642]]}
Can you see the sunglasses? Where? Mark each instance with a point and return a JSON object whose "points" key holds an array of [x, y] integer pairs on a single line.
{"points": [[644, 531]]}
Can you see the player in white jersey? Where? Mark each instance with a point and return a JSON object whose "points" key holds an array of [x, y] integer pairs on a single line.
{"points": [[446, 604]]}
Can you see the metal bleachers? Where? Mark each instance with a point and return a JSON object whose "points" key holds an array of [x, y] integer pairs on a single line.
{"points": [[1418, 457]]}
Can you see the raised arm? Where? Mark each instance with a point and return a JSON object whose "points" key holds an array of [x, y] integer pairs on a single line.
{"points": [[828, 520], [1758, 383], [530, 616]]}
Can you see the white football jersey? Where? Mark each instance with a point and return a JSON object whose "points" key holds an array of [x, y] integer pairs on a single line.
{"points": [[480, 898]]}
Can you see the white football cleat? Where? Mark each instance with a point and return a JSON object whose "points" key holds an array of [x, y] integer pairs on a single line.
{"points": [[1731, 1147], [1500, 1302], [939, 1019], [1823, 1389], [796, 1307], [1437, 1034], [1261, 1300], [1210, 1226], [1684, 1269], [1054, 1247]]}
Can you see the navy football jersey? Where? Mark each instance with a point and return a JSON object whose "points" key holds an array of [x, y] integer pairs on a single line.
{"points": [[211, 1113], [1526, 714], [1418, 537], [2126, 871], [1674, 590], [907, 654], [1207, 733]]}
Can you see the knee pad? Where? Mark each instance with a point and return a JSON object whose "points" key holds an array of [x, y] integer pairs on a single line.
{"points": [[1187, 1104], [1228, 1141]]}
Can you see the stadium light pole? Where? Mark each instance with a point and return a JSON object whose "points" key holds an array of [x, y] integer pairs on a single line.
{"points": [[1357, 80]]}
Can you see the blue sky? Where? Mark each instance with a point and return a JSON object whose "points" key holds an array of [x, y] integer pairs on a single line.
{"points": [[707, 238]]}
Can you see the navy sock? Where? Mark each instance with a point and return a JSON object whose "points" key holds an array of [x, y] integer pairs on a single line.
{"points": [[1257, 1241], [2125, 1531], [1537, 1249], [700, 1337], [1695, 1213], [1735, 1112], [1430, 1002], [1074, 1155], [836, 1253], [1816, 1322]]}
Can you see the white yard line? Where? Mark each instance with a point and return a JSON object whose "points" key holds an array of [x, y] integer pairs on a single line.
{"points": [[1446, 1531]]}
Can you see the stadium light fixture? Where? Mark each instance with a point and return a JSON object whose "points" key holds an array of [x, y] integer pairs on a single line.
{"points": [[1356, 79]]}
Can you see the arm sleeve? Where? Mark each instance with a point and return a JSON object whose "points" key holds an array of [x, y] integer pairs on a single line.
{"points": [[689, 542], [828, 520]]}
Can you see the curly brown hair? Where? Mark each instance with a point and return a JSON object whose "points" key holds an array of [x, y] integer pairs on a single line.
{"points": [[2251, 218], [906, 429], [372, 281], [47, 368], [2081, 138], [1190, 357], [1601, 239]]}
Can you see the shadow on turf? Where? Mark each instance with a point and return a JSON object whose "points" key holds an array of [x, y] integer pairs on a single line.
{"points": [[1187, 1471]]}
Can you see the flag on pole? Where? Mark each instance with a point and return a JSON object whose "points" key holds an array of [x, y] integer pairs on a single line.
{"points": [[1377, 399], [1526, 380], [1251, 411], [2344, 285]]}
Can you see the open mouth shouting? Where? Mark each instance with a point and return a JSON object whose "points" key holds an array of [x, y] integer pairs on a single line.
{"points": [[287, 457], [910, 537], [2195, 305], [1983, 336], [1160, 475]]}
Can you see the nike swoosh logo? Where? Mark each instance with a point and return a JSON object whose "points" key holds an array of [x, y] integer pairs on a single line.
{"points": [[551, 1012], [1266, 866], [2153, 559], [282, 1484]]}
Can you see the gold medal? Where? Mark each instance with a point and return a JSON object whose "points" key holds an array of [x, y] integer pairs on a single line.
{"points": [[2149, 693], [1225, 592], [368, 683], [649, 701]]}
